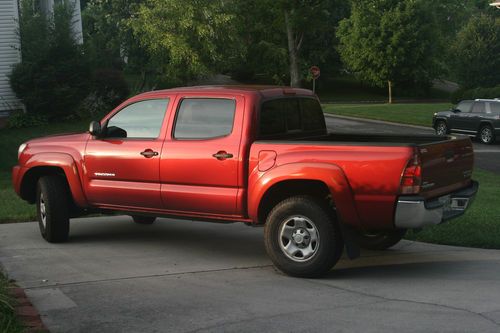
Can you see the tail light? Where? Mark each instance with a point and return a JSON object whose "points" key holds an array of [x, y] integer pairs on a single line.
{"points": [[411, 179]]}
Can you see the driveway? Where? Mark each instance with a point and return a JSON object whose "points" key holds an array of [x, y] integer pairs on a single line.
{"points": [[182, 276], [487, 157]]}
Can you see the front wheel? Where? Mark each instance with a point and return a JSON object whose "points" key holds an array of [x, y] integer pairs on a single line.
{"points": [[52, 208], [441, 128], [302, 237], [380, 240], [487, 135]]}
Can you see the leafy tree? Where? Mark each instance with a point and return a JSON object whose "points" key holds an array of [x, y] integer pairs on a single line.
{"points": [[391, 41], [282, 39], [185, 38], [109, 40], [52, 77], [476, 52]]}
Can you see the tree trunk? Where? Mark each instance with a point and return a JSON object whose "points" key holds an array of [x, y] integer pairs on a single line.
{"points": [[389, 83], [293, 50]]}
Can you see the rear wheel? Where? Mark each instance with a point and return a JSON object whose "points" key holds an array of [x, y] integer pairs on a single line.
{"points": [[441, 128], [302, 237], [487, 135], [380, 240], [143, 219], [52, 207]]}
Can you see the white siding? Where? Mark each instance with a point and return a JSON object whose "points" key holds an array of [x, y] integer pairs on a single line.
{"points": [[9, 53]]}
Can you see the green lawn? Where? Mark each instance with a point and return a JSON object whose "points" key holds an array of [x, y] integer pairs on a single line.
{"points": [[11, 207], [479, 227], [415, 114], [8, 321]]}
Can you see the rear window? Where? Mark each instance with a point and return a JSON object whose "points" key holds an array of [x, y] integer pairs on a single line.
{"points": [[290, 116], [204, 118], [495, 107]]}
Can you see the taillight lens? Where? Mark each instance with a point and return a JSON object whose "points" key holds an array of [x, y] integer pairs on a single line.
{"points": [[411, 180]]}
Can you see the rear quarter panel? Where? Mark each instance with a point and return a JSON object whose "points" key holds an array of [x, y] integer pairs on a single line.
{"points": [[372, 176]]}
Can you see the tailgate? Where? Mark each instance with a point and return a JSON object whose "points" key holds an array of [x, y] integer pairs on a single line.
{"points": [[446, 165]]}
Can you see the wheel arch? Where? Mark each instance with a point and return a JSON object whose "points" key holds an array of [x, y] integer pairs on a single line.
{"points": [[321, 180], [44, 164]]}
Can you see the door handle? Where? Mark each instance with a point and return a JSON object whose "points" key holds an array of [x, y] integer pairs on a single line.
{"points": [[222, 155], [148, 153]]}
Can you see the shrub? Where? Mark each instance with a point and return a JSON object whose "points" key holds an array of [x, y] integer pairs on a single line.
{"points": [[53, 76], [108, 89], [21, 119], [111, 85], [475, 93]]}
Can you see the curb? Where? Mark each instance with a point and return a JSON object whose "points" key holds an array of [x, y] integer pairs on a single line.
{"points": [[377, 121], [26, 312]]}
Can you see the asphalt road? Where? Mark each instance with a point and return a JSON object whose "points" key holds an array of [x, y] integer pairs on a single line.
{"points": [[182, 276], [487, 157]]}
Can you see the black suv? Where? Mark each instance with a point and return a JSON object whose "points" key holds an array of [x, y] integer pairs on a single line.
{"points": [[479, 118]]}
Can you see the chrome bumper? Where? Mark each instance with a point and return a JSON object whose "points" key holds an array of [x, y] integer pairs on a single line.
{"points": [[416, 212]]}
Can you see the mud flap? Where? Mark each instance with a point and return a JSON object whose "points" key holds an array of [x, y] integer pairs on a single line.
{"points": [[351, 245]]}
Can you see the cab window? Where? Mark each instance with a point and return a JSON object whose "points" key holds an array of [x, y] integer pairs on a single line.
{"points": [[464, 106], [138, 120], [204, 118]]}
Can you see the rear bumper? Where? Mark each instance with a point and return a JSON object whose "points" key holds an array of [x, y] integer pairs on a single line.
{"points": [[416, 212]]}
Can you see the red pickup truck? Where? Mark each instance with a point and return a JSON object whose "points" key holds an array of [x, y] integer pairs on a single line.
{"points": [[259, 155]]}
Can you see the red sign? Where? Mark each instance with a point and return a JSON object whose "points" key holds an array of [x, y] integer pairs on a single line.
{"points": [[315, 72]]}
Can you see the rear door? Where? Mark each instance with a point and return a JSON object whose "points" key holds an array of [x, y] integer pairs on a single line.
{"points": [[122, 167], [200, 165], [477, 114]]}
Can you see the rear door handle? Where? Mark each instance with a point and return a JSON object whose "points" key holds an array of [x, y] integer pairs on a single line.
{"points": [[148, 153], [222, 155]]}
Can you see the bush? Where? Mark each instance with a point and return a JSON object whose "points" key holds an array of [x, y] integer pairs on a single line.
{"points": [[108, 89], [53, 76], [21, 119], [110, 84], [462, 94]]}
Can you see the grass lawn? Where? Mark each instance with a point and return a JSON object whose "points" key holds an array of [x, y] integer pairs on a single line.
{"points": [[8, 321], [479, 227], [415, 114], [12, 208]]}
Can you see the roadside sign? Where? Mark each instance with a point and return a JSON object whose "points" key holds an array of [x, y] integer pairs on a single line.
{"points": [[315, 72]]}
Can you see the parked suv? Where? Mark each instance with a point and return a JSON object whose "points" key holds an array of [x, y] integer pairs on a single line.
{"points": [[479, 118]]}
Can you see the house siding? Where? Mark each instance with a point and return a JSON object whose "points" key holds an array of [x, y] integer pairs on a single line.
{"points": [[9, 54]]}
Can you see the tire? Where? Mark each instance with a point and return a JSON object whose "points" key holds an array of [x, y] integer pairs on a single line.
{"points": [[486, 135], [52, 208], [441, 127], [143, 219], [313, 231], [380, 240]]}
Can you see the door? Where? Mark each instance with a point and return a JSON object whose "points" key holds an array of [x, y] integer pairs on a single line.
{"points": [[122, 167], [478, 113], [200, 168], [458, 120]]}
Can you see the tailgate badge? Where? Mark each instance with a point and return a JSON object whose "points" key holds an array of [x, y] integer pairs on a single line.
{"points": [[427, 185]]}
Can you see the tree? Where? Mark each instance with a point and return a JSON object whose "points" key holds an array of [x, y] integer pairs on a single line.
{"points": [[52, 77], [476, 52], [391, 42], [185, 38], [282, 39]]}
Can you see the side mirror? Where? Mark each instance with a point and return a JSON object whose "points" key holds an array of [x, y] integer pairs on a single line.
{"points": [[95, 129], [456, 111]]}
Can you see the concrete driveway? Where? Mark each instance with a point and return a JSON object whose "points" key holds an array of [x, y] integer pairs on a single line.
{"points": [[487, 157], [183, 276]]}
